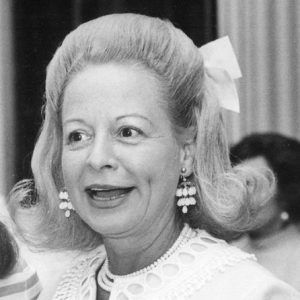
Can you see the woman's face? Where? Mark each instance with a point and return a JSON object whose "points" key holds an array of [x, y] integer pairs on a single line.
{"points": [[120, 160]]}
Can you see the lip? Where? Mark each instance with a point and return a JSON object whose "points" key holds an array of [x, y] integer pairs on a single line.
{"points": [[107, 196]]}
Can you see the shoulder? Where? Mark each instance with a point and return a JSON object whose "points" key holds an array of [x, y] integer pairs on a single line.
{"points": [[83, 268], [22, 283], [246, 281], [279, 254], [234, 274]]}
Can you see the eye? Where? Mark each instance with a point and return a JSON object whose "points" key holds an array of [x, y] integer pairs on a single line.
{"points": [[77, 137], [129, 132]]}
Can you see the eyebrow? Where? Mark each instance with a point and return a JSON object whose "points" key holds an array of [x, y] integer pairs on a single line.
{"points": [[73, 120], [135, 115]]}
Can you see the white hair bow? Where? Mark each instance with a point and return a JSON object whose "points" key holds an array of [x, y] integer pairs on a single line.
{"points": [[222, 68]]}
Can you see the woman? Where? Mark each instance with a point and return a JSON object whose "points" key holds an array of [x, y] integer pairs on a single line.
{"points": [[275, 242], [132, 119]]}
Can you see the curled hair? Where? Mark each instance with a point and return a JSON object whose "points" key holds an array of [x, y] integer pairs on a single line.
{"points": [[282, 154], [8, 252], [225, 201]]}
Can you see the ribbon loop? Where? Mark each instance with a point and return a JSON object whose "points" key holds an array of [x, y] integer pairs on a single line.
{"points": [[222, 68]]}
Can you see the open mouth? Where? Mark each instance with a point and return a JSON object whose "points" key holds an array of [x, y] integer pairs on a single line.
{"points": [[107, 193]]}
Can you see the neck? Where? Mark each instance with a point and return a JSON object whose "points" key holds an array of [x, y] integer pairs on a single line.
{"points": [[137, 251]]}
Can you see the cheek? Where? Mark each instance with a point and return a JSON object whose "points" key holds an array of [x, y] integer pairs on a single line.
{"points": [[154, 164], [72, 166]]}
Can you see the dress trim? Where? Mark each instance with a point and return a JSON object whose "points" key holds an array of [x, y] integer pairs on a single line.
{"points": [[187, 270]]}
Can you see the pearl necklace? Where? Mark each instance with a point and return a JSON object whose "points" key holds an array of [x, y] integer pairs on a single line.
{"points": [[106, 279]]}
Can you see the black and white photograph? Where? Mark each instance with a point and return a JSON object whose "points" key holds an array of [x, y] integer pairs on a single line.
{"points": [[149, 150]]}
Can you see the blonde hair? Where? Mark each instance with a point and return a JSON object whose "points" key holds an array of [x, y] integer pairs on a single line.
{"points": [[227, 199]]}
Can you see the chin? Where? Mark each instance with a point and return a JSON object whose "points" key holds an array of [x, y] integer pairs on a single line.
{"points": [[111, 223]]}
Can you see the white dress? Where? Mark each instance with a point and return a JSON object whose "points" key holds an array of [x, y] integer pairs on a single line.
{"points": [[204, 268]]}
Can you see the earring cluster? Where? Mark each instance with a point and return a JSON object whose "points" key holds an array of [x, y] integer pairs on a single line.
{"points": [[65, 203], [186, 191]]}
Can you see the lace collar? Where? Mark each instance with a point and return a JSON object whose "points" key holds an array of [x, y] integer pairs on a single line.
{"points": [[188, 269]]}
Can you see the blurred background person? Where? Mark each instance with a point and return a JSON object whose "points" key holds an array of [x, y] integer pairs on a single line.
{"points": [[17, 279], [276, 240]]}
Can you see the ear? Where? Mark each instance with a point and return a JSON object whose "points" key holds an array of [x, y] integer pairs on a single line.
{"points": [[187, 151]]}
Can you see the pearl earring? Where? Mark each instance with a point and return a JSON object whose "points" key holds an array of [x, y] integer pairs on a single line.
{"points": [[186, 190], [65, 203], [284, 216]]}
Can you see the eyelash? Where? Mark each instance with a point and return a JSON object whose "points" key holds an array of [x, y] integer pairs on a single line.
{"points": [[70, 140], [139, 131]]}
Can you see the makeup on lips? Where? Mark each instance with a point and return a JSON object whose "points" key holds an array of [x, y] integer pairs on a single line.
{"points": [[107, 196]]}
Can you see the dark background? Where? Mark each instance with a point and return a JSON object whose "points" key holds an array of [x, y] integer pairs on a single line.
{"points": [[39, 28]]}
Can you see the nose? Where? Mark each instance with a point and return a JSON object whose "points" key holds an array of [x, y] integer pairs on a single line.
{"points": [[101, 155]]}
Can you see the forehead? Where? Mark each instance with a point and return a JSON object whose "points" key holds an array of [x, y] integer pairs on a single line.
{"points": [[122, 86]]}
